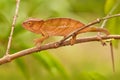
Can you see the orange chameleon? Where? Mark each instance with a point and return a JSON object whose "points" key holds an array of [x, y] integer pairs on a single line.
{"points": [[57, 27]]}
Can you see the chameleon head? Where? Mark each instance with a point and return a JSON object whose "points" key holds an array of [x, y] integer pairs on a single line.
{"points": [[33, 25]]}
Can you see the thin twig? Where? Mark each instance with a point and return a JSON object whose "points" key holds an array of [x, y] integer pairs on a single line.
{"points": [[111, 16], [110, 13], [110, 43], [12, 28], [112, 56], [4, 59]]}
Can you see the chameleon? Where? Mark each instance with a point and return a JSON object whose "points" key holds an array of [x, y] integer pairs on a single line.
{"points": [[57, 27]]}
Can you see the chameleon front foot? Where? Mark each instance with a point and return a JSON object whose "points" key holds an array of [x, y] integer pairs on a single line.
{"points": [[37, 42], [72, 41]]}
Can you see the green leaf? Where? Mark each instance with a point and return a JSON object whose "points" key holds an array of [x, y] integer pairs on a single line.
{"points": [[113, 27], [113, 7], [50, 63], [22, 66], [97, 76], [108, 5]]}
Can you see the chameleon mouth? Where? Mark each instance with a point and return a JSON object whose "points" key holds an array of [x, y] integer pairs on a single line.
{"points": [[23, 24]]}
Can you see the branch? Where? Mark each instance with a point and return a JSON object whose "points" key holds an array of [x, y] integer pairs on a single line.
{"points": [[11, 57], [110, 12], [12, 28]]}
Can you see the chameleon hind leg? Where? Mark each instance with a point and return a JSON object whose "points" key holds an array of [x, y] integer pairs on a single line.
{"points": [[91, 29], [73, 39]]}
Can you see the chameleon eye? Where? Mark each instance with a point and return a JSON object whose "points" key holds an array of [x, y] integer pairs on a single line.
{"points": [[29, 23]]}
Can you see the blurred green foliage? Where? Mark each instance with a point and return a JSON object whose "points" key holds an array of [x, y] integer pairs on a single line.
{"points": [[43, 65], [112, 7]]}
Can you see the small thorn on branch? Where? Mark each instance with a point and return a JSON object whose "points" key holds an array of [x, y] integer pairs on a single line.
{"points": [[98, 20]]}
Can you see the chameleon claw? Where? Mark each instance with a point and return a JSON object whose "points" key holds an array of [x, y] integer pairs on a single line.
{"points": [[72, 42], [38, 45], [37, 42]]}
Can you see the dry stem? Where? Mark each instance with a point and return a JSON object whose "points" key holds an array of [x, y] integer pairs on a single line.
{"points": [[52, 46], [112, 56], [12, 28]]}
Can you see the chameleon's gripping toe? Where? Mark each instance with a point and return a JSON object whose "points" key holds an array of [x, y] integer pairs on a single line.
{"points": [[37, 42], [72, 42], [73, 39]]}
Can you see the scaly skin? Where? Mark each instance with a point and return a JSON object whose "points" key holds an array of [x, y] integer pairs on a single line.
{"points": [[57, 27]]}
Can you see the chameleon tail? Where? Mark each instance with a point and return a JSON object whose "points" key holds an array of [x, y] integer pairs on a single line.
{"points": [[94, 29]]}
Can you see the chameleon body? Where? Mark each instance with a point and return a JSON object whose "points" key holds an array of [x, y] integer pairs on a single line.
{"points": [[57, 27]]}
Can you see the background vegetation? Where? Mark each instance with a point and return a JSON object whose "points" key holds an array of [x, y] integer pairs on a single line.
{"points": [[89, 61]]}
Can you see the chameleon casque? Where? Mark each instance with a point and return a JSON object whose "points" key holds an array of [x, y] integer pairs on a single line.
{"points": [[57, 27]]}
